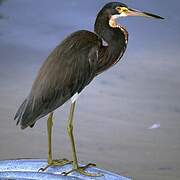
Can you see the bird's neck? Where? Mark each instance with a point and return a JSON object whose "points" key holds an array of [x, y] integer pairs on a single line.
{"points": [[116, 39]]}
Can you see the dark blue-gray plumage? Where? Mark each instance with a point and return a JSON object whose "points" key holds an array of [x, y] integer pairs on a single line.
{"points": [[67, 70]]}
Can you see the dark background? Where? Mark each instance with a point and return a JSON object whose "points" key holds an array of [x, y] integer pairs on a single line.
{"points": [[115, 112]]}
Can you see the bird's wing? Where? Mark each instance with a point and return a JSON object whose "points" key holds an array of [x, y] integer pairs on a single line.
{"points": [[68, 69]]}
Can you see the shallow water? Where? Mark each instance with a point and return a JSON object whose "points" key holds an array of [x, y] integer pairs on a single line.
{"points": [[115, 112]]}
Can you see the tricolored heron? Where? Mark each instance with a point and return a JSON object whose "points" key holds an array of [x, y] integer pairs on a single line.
{"points": [[71, 66]]}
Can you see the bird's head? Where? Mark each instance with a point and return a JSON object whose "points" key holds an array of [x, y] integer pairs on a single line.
{"points": [[115, 10]]}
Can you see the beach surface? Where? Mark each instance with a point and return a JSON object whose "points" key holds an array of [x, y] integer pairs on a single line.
{"points": [[127, 120]]}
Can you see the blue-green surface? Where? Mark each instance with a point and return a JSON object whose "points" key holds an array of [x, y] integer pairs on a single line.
{"points": [[28, 169]]}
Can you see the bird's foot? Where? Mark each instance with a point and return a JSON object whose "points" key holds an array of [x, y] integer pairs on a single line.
{"points": [[82, 171], [56, 162]]}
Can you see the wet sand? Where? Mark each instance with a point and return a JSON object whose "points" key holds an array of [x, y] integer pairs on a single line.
{"points": [[114, 112]]}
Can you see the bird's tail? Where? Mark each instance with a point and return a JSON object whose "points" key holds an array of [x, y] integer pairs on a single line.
{"points": [[20, 111], [27, 114]]}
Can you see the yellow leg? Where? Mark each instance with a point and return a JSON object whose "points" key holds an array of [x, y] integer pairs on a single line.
{"points": [[76, 167], [70, 132], [49, 130], [51, 162]]}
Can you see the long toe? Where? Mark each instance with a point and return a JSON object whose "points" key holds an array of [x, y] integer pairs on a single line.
{"points": [[56, 162], [81, 170]]}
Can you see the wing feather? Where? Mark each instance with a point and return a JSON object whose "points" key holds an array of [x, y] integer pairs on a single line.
{"points": [[68, 69]]}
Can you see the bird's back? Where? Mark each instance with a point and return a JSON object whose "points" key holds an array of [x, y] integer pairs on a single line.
{"points": [[67, 70]]}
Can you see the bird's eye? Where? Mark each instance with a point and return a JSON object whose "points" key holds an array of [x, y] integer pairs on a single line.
{"points": [[124, 9], [118, 8]]}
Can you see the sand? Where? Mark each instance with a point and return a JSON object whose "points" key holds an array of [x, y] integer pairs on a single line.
{"points": [[114, 113]]}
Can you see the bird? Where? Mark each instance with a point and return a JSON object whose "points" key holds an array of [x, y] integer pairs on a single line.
{"points": [[70, 67]]}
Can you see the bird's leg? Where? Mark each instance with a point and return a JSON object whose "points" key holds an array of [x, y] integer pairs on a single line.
{"points": [[76, 167], [49, 129], [51, 162]]}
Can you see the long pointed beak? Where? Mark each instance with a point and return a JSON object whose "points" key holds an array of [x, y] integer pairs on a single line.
{"points": [[134, 12]]}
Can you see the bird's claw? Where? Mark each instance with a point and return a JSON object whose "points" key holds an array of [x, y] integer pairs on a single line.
{"points": [[56, 162], [82, 171]]}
